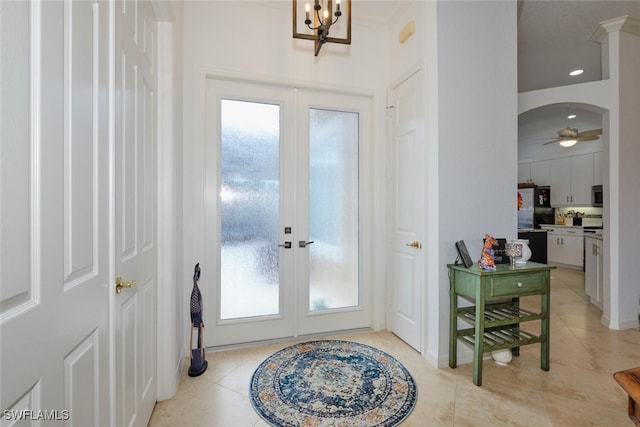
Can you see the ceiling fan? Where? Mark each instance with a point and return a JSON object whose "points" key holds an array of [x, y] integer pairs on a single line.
{"points": [[568, 137]]}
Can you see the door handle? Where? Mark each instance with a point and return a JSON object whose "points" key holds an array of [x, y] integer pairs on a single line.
{"points": [[415, 244], [120, 284], [286, 245], [303, 244]]}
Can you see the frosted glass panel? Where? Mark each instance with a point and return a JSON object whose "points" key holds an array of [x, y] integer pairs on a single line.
{"points": [[249, 198], [333, 192]]}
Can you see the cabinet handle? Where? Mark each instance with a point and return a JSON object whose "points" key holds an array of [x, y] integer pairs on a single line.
{"points": [[572, 198], [562, 240], [519, 284]]}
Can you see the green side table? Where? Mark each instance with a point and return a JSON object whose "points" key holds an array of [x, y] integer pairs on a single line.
{"points": [[496, 315]]}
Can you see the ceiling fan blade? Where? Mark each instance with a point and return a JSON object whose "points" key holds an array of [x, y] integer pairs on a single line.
{"points": [[590, 132], [588, 138], [555, 138], [551, 142]]}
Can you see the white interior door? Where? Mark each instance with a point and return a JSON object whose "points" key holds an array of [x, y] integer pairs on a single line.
{"points": [[135, 207], [408, 253], [54, 206], [283, 233]]}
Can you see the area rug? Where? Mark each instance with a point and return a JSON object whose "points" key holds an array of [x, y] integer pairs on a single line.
{"points": [[332, 383]]}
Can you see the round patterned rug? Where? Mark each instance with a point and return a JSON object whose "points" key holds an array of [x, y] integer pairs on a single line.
{"points": [[332, 383]]}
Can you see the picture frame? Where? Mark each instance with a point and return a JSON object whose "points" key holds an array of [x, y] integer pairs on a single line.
{"points": [[500, 254], [463, 254]]}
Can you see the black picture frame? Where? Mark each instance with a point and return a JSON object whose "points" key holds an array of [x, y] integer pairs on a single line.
{"points": [[463, 253], [499, 251]]}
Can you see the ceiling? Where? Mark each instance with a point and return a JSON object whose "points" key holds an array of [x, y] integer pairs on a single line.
{"points": [[553, 39]]}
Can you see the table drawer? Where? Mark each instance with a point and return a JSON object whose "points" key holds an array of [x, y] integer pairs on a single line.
{"points": [[521, 284]]}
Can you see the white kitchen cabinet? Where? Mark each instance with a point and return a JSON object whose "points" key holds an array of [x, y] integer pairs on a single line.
{"points": [[572, 248], [535, 172], [560, 177], [571, 179], [565, 246], [554, 248], [524, 172], [581, 179], [597, 168], [593, 270], [540, 172]]}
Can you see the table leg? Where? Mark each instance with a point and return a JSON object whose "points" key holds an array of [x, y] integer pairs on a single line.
{"points": [[516, 304], [544, 329], [478, 350], [453, 323]]}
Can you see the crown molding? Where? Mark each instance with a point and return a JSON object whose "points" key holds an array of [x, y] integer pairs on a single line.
{"points": [[626, 23]]}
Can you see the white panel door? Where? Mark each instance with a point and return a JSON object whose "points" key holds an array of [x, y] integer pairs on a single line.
{"points": [[135, 206], [54, 206], [407, 257]]}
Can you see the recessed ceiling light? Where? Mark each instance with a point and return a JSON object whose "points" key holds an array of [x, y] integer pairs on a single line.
{"points": [[576, 72], [571, 116]]}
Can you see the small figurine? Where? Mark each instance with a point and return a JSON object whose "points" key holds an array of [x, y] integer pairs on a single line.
{"points": [[198, 361], [487, 261]]}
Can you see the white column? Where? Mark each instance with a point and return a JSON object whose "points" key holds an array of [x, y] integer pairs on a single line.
{"points": [[620, 40]]}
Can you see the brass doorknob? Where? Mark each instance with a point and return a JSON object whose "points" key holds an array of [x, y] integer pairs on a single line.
{"points": [[120, 284], [415, 244]]}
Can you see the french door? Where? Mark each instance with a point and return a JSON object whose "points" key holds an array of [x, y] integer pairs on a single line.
{"points": [[285, 217]]}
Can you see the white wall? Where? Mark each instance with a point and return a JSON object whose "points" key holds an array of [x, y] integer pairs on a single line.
{"points": [[469, 52], [477, 132], [254, 40]]}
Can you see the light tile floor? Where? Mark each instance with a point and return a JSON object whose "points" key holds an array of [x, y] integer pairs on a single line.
{"points": [[579, 390]]}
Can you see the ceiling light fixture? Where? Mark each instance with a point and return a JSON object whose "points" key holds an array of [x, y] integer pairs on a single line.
{"points": [[568, 142], [320, 21], [576, 72], [571, 116]]}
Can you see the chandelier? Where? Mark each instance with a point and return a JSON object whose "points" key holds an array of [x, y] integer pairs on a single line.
{"points": [[325, 14]]}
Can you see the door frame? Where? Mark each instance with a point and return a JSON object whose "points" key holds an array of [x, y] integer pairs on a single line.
{"points": [[171, 352], [372, 256]]}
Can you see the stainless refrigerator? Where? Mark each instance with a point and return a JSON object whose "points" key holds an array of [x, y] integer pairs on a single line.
{"points": [[534, 208]]}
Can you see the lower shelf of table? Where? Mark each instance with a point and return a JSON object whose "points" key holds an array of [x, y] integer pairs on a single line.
{"points": [[499, 338], [501, 314]]}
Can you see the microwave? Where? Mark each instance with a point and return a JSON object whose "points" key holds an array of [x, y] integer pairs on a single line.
{"points": [[596, 195]]}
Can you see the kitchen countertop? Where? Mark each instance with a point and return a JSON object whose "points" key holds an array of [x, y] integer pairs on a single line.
{"points": [[596, 234]]}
